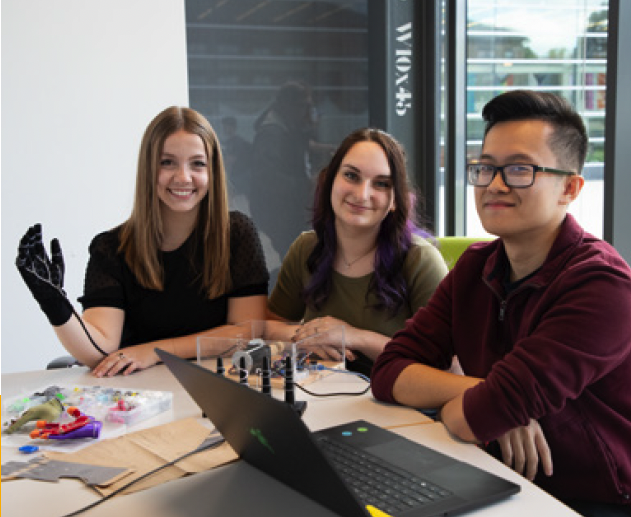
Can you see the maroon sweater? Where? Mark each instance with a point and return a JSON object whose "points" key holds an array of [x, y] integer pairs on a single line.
{"points": [[556, 349]]}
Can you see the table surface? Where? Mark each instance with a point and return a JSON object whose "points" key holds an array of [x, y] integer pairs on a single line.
{"points": [[221, 491]]}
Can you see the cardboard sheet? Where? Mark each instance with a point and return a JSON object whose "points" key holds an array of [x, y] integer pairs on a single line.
{"points": [[148, 449]]}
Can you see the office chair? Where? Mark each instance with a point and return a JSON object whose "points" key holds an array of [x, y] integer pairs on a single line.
{"points": [[65, 361], [452, 247]]}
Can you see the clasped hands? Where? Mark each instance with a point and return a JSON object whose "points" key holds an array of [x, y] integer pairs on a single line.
{"points": [[325, 337]]}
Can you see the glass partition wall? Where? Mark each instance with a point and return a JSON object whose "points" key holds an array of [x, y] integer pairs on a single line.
{"points": [[283, 81]]}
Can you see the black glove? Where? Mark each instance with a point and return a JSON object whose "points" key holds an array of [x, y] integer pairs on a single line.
{"points": [[44, 276]]}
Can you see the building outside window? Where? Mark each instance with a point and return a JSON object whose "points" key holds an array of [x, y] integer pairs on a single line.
{"points": [[558, 47]]}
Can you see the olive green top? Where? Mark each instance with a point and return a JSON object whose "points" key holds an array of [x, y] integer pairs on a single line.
{"points": [[349, 300]]}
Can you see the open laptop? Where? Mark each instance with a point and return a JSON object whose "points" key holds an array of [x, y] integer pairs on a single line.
{"points": [[270, 435]]}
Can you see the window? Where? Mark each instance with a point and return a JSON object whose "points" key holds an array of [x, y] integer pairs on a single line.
{"points": [[559, 47], [242, 52]]}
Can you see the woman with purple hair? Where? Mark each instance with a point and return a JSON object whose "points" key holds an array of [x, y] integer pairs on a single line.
{"points": [[365, 265]]}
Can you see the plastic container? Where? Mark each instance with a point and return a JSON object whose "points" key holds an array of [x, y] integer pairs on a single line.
{"points": [[149, 404]]}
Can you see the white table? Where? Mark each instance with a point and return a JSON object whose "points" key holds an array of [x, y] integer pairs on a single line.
{"points": [[229, 490]]}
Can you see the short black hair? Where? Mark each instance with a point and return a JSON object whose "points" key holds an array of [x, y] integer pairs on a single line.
{"points": [[569, 140]]}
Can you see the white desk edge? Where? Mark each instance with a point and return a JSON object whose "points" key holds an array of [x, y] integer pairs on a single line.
{"points": [[68, 495]]}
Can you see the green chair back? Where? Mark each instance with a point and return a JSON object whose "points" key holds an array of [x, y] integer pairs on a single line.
{"points": [[452, 247]]}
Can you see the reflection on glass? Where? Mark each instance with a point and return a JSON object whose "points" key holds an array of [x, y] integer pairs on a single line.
{"points": [[560, 47], [282, 82]]}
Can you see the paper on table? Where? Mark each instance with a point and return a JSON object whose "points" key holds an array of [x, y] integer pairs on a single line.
{"points": [[150, 448]]}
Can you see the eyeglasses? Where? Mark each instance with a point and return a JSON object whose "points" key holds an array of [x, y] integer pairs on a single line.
{"points": [[514, 175]]}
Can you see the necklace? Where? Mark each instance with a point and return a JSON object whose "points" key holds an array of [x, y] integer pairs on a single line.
{"points": [[348, 265]]}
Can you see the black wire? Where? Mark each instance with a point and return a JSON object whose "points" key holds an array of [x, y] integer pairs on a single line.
{"points": [[202, 447], [62, 293], [350, 394], [279, 372], [85, 329]]}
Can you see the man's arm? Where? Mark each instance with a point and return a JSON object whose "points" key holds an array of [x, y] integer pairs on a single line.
{"points": [[422, 386], [402, 372], [523, 448], [452, 415]]}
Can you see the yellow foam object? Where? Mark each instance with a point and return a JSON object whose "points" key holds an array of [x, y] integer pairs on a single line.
{"points": [[376, 512]]}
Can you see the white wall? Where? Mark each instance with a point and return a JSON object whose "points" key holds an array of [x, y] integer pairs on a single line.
{"points": [[81, 79]]}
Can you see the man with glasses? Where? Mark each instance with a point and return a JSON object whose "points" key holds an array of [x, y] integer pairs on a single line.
{"points": [[540, 319]]}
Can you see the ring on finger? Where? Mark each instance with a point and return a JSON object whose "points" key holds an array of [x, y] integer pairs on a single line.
{"points": [[121, 355]]}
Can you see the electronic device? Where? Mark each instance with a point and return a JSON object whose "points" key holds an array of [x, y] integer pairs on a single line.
{"points": [[269, 435], [254, 353], [243, 372], [290, 388], [221, 370], [266, 375]]}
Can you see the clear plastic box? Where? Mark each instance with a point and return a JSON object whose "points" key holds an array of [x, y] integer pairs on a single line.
{"points": [[153, 403], [104, 403], [254, 339]]}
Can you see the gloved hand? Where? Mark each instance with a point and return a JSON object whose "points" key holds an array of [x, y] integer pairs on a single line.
{"points": [[44, 276], [49, 411]]}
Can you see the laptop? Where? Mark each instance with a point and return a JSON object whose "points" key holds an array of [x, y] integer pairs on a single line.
{"points": [[270, 435]]}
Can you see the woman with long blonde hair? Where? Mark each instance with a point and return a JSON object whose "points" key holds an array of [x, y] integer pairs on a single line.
{"points": [[182, 264]]}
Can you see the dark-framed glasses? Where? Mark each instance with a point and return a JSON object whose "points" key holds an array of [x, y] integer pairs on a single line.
{"points": [[514, 175]]}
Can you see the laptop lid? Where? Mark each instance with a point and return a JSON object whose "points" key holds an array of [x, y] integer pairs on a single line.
{"points": [[268, 434]]}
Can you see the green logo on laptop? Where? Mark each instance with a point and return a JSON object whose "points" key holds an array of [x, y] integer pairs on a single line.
{"points": [[259, 436]]}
